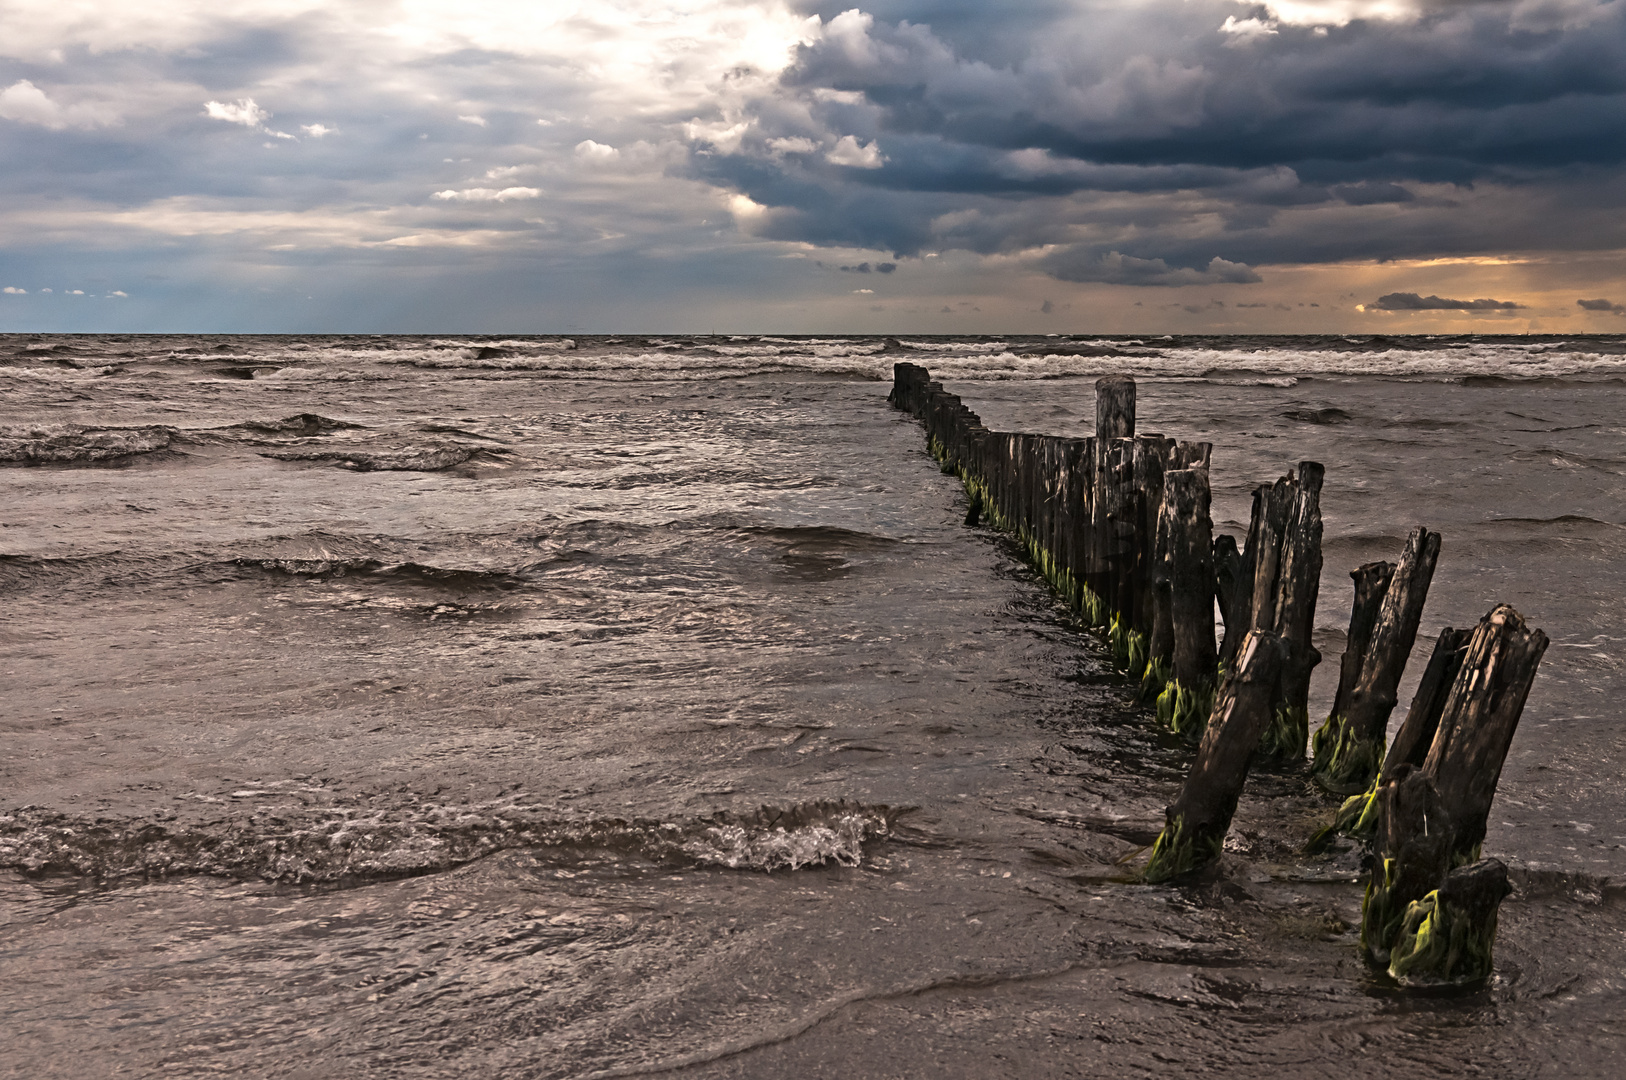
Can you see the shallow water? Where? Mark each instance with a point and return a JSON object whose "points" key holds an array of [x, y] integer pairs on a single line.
{"points": [[418, 707]]}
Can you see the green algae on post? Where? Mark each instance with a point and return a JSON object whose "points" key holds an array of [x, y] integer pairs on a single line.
{"points": [[1349, 747], [1195, 824], [1448, 938], [1430, 912]]}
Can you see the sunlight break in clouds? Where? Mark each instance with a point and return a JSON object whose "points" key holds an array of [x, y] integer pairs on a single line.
{"points": [[711, 156]]}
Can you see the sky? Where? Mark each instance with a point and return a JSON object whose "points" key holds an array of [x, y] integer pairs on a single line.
{"points": [[748, 166]]}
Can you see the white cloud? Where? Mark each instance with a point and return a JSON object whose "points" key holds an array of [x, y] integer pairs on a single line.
{"points": [[588, 150], [119, 292], [1247, 29], [14, 291], [723, 135], [1340, 12], [75, 292], [318, 131], [45, 290], [849, 152], [243, 111], [489, 194], [477, 121], [864, 292], [26, 103], [794, 145]]}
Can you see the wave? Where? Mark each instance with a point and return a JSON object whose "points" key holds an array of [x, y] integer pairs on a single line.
{"points": [[65, 444], [1327, 415], [300, 424], [375, 569], [298, 845], [403, 459]]}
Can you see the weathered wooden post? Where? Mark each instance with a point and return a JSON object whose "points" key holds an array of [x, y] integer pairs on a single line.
{"points": [[1431, 904], [1196, 823], [1151, 456], [1233, 589], [1349, 747], [1185, 703], [1114, 419], [1298, 582], [1357, 817]]}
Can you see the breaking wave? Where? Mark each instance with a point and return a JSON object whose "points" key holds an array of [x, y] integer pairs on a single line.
{"points": [[55, 444], [293, 845]]}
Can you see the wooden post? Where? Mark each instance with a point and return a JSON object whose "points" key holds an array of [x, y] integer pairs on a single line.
{"points": [[1243, 573], [1349, 747], [1152, 452], [1357, 816], [1114, 419], [1196, 823], [1430, 911], [1371, 582], [1298, 582], [1233, 588], [1186, 701]]}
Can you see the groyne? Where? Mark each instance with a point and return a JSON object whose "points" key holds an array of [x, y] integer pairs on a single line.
{"points": [[1119, 524]]}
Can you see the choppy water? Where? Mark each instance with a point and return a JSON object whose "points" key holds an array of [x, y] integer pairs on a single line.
{"points": [[610, 707]]}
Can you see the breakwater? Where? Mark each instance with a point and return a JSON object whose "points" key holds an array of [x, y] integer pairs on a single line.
{"points": [[1119, 524]]}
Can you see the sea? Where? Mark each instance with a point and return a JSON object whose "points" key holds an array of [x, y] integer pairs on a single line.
{"points": [[624, 706]]}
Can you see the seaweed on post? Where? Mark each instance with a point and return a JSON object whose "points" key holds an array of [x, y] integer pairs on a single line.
{"points": [[1357, 816], [1186, 699], [1430, 912], [1196, 823], [1349, 746]]}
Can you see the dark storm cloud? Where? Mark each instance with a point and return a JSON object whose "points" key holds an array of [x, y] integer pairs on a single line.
{"points": [[1602, 305], [971, 110], [1410, 301]]}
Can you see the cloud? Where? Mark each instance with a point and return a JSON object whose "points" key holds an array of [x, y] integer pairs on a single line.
{"points": [[795, 144], [864, 292], [1164, 143], [506, 194], [14, 291], [243, 111], [849, 152], [590, 150], [1602, 305], [1116, 268], [26, 103], [1410, 301], [1247, 28], [477, 121]]}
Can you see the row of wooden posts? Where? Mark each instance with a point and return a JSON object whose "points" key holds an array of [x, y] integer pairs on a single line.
{"points": [[1120, 525]]}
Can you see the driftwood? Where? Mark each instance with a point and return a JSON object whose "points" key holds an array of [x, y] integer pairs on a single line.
{"points": [[1349, 746], [1196, 823], [1430, 911]]}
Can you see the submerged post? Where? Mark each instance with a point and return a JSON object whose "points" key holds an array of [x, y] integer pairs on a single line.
{"points": [[1431, 905], [1349, 747], [1185, 703], [1196, 823]]}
